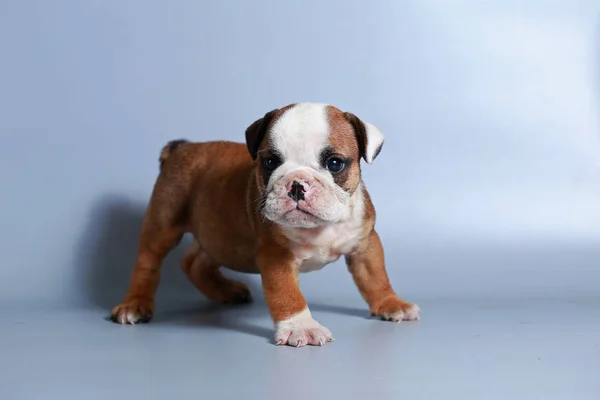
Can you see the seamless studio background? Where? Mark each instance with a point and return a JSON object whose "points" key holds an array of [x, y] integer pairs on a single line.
{"points": [[487, 192]]}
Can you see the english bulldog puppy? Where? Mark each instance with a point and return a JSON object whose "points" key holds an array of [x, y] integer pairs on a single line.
{"points": [[290, 200]]}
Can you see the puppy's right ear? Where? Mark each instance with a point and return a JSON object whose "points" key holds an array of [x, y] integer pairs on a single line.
{"points": [[256, 133]]}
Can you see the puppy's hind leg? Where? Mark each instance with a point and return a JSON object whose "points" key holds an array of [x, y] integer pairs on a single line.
{"points": [[162, 229], [157, 239], [204, 273]]}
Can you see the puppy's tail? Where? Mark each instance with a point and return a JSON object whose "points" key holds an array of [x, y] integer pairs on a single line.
{"points": [[169, 149]]}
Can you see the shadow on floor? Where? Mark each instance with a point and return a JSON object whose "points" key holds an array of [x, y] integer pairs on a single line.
{"points": [[239, 318], [349, 311], [107, 251], [236, 318]]}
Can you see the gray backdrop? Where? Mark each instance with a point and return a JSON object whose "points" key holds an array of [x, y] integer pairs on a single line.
{"points": [[488, 184], [490, 111]]}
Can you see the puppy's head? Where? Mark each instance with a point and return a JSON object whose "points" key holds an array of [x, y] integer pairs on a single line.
{"points": [[308, 162]]}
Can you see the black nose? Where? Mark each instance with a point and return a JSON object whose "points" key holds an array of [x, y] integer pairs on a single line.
{"points": [[297, 192]]}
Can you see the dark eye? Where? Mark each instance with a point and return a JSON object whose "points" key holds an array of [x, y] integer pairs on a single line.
{"points": [[335, 165], [271, 163]]}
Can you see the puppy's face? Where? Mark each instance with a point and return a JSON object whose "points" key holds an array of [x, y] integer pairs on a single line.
{"points": [[308, 162]]}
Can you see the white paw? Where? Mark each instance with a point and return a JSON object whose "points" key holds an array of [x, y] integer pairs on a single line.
{"points": [[132, 312], [301, 330], [410, 313]]}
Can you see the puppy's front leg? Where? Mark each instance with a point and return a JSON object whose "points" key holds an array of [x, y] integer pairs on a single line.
{"points": [[294, 323], [366, 264]]}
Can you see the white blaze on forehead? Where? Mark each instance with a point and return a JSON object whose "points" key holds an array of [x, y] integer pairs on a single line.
{"points": [[301, 133]]}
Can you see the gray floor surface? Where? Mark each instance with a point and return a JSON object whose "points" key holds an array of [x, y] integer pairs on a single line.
{"points": [[463, 348]]}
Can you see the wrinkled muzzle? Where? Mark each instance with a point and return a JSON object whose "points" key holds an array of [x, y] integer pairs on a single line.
{"points": [[304, 197]]}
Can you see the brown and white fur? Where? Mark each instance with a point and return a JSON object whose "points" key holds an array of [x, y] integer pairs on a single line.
{"points": [[274, 207]]}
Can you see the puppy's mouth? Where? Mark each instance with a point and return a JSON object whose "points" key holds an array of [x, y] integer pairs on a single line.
{"points": [[302, 211], [305, 212]]}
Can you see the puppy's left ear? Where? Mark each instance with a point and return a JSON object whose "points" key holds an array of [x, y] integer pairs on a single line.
{"points": [[370, 139], [255, 133]]}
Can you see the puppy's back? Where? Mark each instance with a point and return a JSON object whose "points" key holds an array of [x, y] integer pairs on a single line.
{"points": [[182, 153], [205, 185]]}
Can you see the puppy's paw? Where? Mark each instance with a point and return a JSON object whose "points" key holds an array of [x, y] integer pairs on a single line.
{"points": [[234, 293], [397, 310], [301, 330], [225, 291], [132, 311]]}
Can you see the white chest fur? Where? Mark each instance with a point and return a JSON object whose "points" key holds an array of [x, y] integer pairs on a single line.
{"points": [[316, 247]]}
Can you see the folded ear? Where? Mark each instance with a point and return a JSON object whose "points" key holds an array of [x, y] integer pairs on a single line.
{"points": [[255, 133], [370, 139]]}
